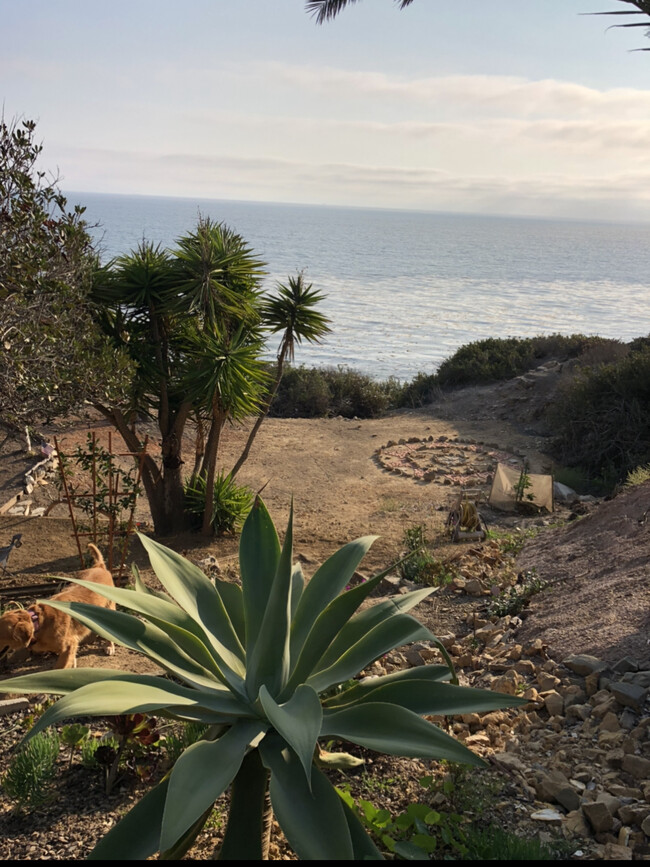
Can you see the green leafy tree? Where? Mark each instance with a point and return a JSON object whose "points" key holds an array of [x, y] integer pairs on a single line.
{"points": [[191, 322], [53, 356], [269, 667]]}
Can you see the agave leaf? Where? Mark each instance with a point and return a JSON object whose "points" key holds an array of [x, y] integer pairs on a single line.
{"points": [[431, 697], [137, 836], [358, 692], [297, 588], [115, 697], [231, 594], [337, 761], [361, 624], [326, 628], [394, 730], [141, 587], [269, 662], [142, 637], [311, 817], [325, 585], [201, 775], [298, 721], [198, 596], [259, 555], [398, 630], [61, 681], [363, 847], [180, 627]]}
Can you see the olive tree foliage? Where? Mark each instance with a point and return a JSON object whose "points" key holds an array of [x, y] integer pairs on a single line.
{"points": [[53, 356]]}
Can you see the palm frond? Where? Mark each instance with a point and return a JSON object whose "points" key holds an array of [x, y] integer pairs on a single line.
{"points": [[326, 10]]}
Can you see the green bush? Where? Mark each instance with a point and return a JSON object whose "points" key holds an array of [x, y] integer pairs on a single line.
{"points": [[601, 420], [494, 359], [231, 503], [302, 393], [31, 769], [330, 391]]}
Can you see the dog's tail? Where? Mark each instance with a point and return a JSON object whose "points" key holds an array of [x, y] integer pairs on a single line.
{"points": [[98, 560]]}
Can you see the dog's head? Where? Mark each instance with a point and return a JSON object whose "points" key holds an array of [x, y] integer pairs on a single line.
{"points": [[16, 630]]}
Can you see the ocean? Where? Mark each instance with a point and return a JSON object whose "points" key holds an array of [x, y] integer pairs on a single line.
{"points": [[405, 289]]}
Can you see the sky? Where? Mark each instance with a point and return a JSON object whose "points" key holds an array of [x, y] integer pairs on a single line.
{"points": [[517, 107]]}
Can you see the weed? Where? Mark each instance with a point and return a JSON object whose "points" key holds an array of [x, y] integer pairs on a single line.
{"points": [[176, 743], [637, 476], [230, 504], [31, 769], [73, 736], [495, 844], [421, 566], [515, 599]]}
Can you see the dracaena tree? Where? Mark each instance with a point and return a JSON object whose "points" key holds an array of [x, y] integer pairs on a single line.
{"points": [[270, 666], [326, 10], [190, 321], [194, 321]]}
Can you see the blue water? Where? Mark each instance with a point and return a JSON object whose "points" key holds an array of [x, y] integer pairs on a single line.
{"points": [[405, 289]]}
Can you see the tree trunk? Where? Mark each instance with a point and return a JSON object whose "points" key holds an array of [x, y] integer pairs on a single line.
{"points": [[209, 468], [264, 411], [248, 831]]}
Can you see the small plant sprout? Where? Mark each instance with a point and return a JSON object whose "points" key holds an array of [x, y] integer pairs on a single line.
{"points": [[260, 665]]}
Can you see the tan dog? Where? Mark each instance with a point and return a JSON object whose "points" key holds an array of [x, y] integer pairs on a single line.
{"points": [[47, 630]]}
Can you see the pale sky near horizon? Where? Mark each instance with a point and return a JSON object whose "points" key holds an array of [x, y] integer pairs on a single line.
{"points": [[488, 106]]}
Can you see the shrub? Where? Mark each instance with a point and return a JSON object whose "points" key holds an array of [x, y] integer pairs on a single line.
{"points": [[31, 769], [424, 388], [422, 567], [495, 359], [601, 419], [302, 393], [268, 667], [231, 503]]}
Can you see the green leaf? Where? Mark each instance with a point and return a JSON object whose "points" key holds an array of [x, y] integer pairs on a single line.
{"points": [[325, 585], [398, 630], [396, 731], [184, 631], [137, 836], [61, 681], [298, 722], [410, 851], [259, 555], [198, 597], [362, 623], [201, 775], [107, 699], [231, 594], [431, 697], [269, 662], [146, 638], [312, 817], [326, 628], [362, 688], [362, 846]]}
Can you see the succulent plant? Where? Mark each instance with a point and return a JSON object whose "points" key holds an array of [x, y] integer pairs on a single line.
{"points": [[270, 667]]}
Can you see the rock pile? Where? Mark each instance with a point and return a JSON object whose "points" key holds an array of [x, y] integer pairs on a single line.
{"points": [[39, 474], [578, 752]]}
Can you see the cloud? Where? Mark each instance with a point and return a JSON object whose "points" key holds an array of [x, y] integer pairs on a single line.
{"points": [[625, 195]]}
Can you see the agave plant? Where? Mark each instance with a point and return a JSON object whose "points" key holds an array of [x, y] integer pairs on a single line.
{"points": [[270, 667]]}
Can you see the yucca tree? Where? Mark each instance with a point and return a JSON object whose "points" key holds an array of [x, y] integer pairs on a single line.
{"points": [[191, 320], [269, 667], [293, 313], [325, 10]]}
